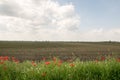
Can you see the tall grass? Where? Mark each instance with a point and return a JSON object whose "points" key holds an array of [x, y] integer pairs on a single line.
{"points": [[58, 70]]}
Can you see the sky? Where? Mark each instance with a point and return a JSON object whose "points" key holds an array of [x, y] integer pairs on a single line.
{"points": [[60, 20]]}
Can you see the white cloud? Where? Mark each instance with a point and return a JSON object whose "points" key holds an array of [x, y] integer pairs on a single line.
{"points": [[101, 34], [46, 20], [39, 18]]}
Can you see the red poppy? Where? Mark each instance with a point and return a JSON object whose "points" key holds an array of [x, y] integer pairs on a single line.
{"points": [[33, 63], [102, 58], [72, 65], [47, 63], [5, 58], [1, 57], [13, 58], [118, 60], [96, 60], [59, 64], [60, 61], [16, 61]]}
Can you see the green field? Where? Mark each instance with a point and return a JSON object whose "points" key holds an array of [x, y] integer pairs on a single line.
{"points": [[108, 69], [34, 50]]}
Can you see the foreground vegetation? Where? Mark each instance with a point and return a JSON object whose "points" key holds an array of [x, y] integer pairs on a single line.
{"points": [[55, 69]]}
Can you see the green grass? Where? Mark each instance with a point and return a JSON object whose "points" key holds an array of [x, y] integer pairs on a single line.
{"points": [[78, 70]]}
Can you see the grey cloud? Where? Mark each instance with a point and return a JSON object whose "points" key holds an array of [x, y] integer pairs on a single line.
{"points": [[9, 9], [73, 28]]}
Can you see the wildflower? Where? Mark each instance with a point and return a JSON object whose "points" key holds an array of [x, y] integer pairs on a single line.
{"points": [[58, 64], [102, 58], [72, 65], [1, 57], [16, 61], [33, 63], [96, 60], [13, 58], [60, 61], [5, 58], [47, 63], [118, 59]]}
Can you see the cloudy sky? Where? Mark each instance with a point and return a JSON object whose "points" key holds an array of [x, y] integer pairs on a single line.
{"points": [[60, 20]]}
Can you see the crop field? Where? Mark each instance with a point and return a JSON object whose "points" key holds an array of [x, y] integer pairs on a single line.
{"points": [[84, 51], [26, 60]]}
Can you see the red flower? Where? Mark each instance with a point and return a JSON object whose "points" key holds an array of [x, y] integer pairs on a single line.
{"points": [[102, 58], [118, 60], [47, 63], [13, 58], [33, 63], [59, 64], [60, 61], [1, 57], [72, 65], [16, 61], [6, 58], [96, 60]]}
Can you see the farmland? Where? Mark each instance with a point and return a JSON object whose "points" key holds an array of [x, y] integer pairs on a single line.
{"points": [[27, 60], [34, 50]]}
